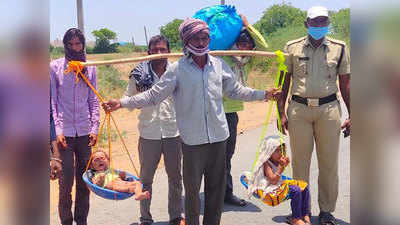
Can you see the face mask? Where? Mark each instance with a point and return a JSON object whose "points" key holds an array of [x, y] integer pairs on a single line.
{"points": [[197, 51], [317, 32]]}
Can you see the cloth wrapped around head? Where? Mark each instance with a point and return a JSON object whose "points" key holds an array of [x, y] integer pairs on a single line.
{"points": [[188, 29], [257, 179]]}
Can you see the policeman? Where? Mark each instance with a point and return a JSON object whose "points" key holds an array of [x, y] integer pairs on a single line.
{"points": [[315, 62]]}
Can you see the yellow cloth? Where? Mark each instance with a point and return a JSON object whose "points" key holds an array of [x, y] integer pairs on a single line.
{"points": [[108, 176], [280, 194]]}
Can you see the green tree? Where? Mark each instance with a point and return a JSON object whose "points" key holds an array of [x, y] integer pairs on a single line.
{"points": [[280, 16], [171, 31], [103, 38], [340, 22]]}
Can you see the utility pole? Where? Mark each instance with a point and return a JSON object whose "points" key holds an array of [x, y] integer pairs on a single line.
{"points": [[145, 35], [79, 9]]}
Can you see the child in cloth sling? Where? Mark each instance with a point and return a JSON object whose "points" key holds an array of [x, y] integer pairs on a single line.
{"points": [[266, 180]]}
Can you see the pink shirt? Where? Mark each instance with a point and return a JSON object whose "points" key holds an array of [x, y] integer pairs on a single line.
{"points": [[75, 106]]}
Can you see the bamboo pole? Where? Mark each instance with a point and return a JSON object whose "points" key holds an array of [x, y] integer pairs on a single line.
{"points": [[177, 55]]}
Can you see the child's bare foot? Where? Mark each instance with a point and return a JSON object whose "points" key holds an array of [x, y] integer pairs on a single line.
{"points": [[294, 221], [307, 219], [142, 196]]}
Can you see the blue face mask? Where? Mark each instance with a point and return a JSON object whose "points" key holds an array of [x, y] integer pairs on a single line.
{"points": [[317, 32]]}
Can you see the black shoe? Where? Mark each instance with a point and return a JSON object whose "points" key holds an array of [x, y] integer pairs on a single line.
{"points": [[233, 200], [326, 218]]}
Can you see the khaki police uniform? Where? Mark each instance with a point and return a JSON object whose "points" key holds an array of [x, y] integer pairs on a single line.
{"points": [[314, 75]]}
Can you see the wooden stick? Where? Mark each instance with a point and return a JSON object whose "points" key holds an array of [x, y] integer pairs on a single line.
{"points": [[177, 55]]}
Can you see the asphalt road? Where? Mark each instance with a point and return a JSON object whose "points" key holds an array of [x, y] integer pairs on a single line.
{"points": [[126, 212]]}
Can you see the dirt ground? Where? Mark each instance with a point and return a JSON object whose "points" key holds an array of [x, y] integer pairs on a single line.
{"points": [[253, 116]]}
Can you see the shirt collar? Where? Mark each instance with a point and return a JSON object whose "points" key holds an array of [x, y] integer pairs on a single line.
{"points": [[191, 61], [324, 42], [152, 71]]}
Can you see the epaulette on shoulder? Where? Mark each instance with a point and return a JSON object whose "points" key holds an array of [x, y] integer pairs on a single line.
{"points": [[342, 43], [296, 41]]}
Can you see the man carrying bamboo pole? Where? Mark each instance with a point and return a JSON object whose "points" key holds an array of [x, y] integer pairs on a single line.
{"points": [[197, 83]]}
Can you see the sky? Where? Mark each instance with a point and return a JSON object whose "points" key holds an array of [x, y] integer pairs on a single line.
{"points": [[128, 17]]}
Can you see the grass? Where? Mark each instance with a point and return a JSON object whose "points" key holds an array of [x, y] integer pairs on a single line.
{"points": [[110, 84], [103, 137]]}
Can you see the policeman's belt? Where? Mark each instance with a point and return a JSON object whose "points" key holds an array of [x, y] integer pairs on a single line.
{"points": [[314, 102]]}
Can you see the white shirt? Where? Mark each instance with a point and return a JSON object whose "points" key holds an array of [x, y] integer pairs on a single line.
{"points": [[156, 121]]}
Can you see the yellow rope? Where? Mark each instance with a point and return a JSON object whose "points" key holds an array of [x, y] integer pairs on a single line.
{"points": [[95, 145], [279, 80]]}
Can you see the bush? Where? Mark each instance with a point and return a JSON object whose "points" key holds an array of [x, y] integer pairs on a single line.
{"points": [[129, 48], [171, 31], [89, 50], [278, 39], [56, 52], [110, 84], [280, 16]]}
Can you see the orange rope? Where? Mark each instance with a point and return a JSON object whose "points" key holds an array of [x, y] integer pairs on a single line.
{"points": [[123, 143], [77, 67], [95, 145]]}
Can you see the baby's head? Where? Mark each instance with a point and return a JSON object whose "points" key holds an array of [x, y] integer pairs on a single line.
{"points": [[100, 160], [273, 146], [277, 154]]}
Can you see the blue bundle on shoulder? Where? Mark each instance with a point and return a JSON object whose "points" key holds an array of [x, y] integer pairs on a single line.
{"points": [[225, 25]]}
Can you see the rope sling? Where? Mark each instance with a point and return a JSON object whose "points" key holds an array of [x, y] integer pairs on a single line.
{"points": [[76, 67]]}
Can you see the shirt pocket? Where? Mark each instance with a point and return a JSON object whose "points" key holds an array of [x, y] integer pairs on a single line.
{"points": [[300, 65], [331, 67]]}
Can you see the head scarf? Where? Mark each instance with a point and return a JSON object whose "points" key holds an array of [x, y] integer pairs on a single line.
{"points": [[188, 29], [70, 54], [257, 179]]}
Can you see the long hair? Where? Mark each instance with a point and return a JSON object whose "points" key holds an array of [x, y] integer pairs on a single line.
{"points": [[69, 53]]}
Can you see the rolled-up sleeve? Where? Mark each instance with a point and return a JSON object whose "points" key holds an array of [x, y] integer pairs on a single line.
{"points": [[344, 67]]}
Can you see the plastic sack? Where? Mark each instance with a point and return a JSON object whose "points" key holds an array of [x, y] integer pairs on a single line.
{"points": [[224, 23]]}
